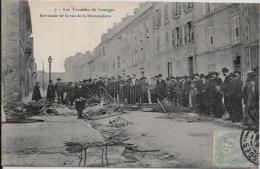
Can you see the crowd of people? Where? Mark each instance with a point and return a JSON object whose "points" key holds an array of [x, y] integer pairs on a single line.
{"points": [[213, 94]]}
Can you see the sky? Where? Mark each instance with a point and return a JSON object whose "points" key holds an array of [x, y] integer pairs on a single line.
{"points": [[62, 37]]}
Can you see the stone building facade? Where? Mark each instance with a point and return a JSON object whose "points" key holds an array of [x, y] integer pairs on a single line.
{"points": [[43, 77], [175, 39], [75, 67], [18, 66]]}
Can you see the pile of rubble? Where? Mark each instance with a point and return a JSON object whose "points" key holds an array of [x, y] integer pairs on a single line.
{"points": [[58, 109], [21, 111], [119, 122], [102, 111], [96, 110]]}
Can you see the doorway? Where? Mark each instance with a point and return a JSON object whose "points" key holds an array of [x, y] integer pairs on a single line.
{"points": [[169, 68], [190, 65]]}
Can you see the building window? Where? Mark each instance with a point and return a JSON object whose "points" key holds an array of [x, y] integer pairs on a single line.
{"points": [[141, 36], [104, 52], [118, 61], [178, 63], [136, 58], [146, 27], [142, 55], [173, 40], [158, 43], [189, 5], [209, 8], [178, 36], [167, 39], [210, 34], [188, 32], [133, 59], [158, 17], [166, 18], [114, 64], [107, 66], [212, 67], [235, 29], [177, 9]]}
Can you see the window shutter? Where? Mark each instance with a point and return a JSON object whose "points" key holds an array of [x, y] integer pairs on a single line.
{"points": [[233, 30], [159, 17], [211, 6], [238, 29], [185, 33], [208, 35], [180, 35], [166, 13], [184, 6], [154, 21], [173, 10], [192, 31], [173, 40], [204, 9]]}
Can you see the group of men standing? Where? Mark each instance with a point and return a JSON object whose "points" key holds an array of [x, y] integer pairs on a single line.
{"points": [[208, 95]]}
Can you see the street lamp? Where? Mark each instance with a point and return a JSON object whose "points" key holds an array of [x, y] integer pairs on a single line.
{"points": [[49, 60]]}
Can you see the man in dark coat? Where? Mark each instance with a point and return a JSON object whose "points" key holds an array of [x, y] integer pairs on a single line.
{"points": [[80, 100], [202, 96], [161, 87], [70, 94], [218, 107], [144, 90], [211, 91], [59, 90], [100, 84], [225, 89], [236, 93], [36, 92], [51, 92]]}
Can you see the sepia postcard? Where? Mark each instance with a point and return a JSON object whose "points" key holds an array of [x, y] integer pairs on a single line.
{"points": [[129, 84]]}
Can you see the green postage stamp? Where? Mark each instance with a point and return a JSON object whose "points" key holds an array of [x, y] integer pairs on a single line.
{"points": [[235, 148]]}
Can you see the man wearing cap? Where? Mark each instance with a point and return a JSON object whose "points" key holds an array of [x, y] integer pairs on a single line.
{"points": [[51, 91]]}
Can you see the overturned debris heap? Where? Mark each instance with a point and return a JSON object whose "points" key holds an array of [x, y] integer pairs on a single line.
{"points": [[16, 112], [107, 107], [119, 122]]}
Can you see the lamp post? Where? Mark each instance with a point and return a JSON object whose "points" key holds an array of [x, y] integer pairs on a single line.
{"points": [[49, 60]]}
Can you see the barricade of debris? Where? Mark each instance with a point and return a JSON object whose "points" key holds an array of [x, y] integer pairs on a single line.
{"points": [[102, 111], [105, 107], [168, 107], [119, 122], [59, 109], [20, 111]]}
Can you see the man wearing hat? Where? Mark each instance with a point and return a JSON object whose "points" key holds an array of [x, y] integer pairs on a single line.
{"points": [[251, 100], [70, 93], [236, 97], [161, 87], [59, 87], [36, 96], [51, 91], [226, 89], [202, 96]]}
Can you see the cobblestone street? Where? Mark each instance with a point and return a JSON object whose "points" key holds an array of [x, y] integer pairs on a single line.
{"points": [[42, 143]]}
